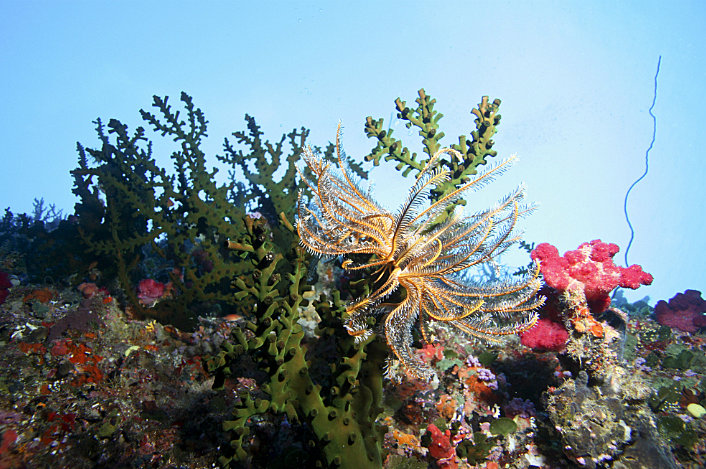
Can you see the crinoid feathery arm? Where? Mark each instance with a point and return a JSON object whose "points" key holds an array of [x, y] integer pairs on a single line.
{"points": [[418, 257]]}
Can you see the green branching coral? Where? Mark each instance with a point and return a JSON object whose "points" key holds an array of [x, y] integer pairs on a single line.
{"points": [[424, 117], [474, 151], [270, 195], [216, 254], [132, 209], [336, 395], [272, 187], [184, 218]]}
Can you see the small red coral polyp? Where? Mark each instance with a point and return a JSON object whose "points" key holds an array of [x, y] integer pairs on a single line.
{"points": [[589, 268]]}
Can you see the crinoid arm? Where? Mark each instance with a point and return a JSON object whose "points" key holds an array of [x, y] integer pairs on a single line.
{"points": [[508, 307], [398, 327], [340, 218]]}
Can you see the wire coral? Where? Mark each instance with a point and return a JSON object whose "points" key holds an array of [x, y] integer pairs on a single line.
{"points": [[413, 254]]}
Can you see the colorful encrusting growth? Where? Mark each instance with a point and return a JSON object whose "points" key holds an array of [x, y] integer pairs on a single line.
{"points": [[408, 252]]}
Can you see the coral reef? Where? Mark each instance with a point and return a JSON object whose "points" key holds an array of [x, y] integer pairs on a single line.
{"points": [[475, 421], [119, 391], [685, 311], [109, 392], [258, 369]]}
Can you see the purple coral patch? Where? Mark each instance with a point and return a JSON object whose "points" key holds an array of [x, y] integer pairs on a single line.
{"points": [[685, 311]]}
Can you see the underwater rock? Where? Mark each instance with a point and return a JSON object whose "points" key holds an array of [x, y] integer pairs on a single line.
{"points": [[610, 422]]}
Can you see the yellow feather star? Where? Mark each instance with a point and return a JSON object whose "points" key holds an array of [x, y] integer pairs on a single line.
{"points": [[410, 252]]}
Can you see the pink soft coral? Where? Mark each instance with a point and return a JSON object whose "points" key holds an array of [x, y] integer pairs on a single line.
{"points": [[686, 311], [589, 268]]}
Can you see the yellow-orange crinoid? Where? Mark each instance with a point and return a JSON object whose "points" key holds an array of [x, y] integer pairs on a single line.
{"points": [[411, 251]]}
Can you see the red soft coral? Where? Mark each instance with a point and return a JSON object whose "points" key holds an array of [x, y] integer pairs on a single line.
{"points": [[686, 311], [431, 353], [5, 283], [546, 335], [149, 291], [589, 268], [441, 448]]}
